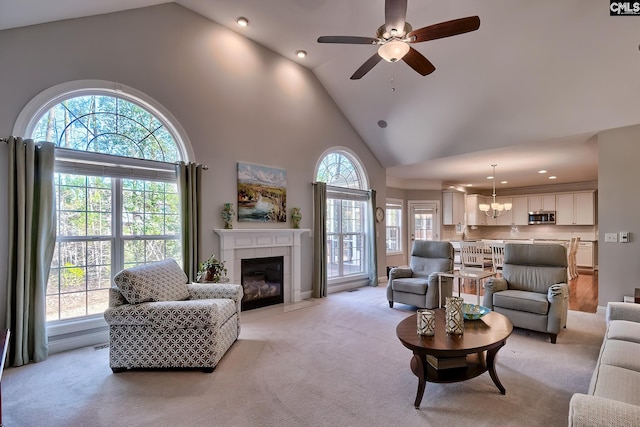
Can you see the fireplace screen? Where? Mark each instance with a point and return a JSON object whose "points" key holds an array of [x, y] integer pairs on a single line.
{"points": [[262, 282]]}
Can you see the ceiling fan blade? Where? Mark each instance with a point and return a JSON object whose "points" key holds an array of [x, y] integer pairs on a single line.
{"points": [[446, 29], [347, 39], [395, 14], [418, 62], [366, 67]]}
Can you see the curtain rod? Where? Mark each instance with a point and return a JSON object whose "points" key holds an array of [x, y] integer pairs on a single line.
{"points": [[204, 167]]}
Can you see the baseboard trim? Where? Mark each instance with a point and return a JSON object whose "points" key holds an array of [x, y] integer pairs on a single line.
{"points": [[84, 340]]}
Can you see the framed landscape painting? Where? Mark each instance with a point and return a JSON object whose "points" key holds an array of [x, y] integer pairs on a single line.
{"points": [[262, 193]]}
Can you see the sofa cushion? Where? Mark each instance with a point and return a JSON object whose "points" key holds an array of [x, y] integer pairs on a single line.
{"points": [[173, 314], [158, 281], [531, 302], [623, 354], [412, 285], [616, 383], [624, 330]]}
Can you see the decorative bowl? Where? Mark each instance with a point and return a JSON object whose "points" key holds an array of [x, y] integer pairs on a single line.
{"points": [[474, 312]]}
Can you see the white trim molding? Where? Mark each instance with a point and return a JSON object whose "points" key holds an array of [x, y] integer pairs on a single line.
{"points": [[239, 244]]}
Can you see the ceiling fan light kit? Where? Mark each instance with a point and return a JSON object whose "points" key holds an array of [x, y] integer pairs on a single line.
{"points": [[393, 51], [396, 35]]}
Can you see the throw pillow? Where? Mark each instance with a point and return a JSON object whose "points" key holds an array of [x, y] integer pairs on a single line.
{"points": [[158, 281]]}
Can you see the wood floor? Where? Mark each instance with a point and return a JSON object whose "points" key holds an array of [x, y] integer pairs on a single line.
{"points": [[583, 291]]}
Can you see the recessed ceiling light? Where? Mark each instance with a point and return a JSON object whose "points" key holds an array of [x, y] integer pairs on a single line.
{"points": [[301, 53], [552, 177], [490, 177], [504, 182], [469, 185], [542, 171], [242, 21]]}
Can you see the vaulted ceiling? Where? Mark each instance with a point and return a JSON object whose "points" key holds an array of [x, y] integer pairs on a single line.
{"points": [[528, 90]]}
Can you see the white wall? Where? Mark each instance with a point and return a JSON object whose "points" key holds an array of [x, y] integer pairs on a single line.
{"points": [[236, 100], [618, 210]]}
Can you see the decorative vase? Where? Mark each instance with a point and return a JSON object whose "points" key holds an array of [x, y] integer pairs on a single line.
{"points": [[426, 322], [296, 216], [227, 215], [454, 316]]}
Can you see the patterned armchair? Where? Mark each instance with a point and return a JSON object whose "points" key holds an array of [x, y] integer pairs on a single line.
{"points": [[159, 320]]}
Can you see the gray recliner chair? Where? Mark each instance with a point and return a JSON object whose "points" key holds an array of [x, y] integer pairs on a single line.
{"points": [[533, 291], [418, 284]]}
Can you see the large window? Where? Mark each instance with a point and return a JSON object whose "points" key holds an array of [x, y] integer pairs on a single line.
{"points": [[346, 215], [393, 220], [116, 196]]}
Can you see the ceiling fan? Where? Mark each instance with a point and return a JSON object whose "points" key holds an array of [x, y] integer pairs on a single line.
{"points": [[394, 37]]}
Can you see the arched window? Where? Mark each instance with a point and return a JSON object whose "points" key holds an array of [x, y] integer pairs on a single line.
{"points": [[117, 202], [346, 215]]}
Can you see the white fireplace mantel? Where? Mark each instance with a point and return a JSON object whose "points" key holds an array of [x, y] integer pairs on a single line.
{"points": [[239, 244]]}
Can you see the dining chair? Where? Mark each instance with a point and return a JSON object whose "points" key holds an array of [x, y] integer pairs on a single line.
{"points": [[473, 257], [497, 256], [572, 269]]}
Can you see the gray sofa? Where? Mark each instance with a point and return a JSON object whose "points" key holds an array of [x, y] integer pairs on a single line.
{"points": [[417, 285], [613, 398], [533, 291], [158, 320]]}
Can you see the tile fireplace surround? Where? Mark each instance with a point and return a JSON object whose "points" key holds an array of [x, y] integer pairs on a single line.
{"points": [[239, 244]]}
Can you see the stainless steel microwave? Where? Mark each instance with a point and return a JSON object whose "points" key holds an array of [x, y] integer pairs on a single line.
{"points": [[542, 217]]}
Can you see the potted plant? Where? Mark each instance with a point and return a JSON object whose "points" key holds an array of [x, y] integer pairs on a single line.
{"points": [[211, 270]]}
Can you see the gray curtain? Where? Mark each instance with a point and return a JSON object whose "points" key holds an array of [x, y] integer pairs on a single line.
{"points": [[189, 177], [373, 241], [32, 238], [319, 279]]}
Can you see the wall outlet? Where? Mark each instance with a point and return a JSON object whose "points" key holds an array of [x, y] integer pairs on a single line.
{"points": [[611, 237]]}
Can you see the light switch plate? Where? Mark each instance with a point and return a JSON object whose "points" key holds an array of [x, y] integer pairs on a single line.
{"points": [[624, 237], [611, 237]]}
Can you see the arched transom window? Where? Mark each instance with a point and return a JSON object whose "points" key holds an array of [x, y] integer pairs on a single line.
{"points": [[338, 170], [109, 125]]}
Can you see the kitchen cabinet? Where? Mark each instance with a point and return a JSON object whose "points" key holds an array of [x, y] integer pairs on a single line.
{"points": [[575, 208], [453, 206], [506, 218], [585, 254], [474, 215], [542, 202], [520, 210]]}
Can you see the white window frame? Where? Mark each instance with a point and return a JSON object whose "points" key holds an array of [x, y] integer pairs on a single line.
{"points": [[395, 204]]}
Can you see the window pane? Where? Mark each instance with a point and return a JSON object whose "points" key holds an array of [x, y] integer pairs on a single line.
{"points": [[97, 301], [133, 253], [73, 305], [352, 251], [333, 255], [393, 228]]}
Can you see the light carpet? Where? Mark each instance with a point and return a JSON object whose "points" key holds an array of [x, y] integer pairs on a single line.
{"points": [[329, 362]]}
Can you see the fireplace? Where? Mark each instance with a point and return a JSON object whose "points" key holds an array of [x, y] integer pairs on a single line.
{"points": [[262, 280]]}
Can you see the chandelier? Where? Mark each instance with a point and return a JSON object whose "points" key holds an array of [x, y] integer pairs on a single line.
{"points": [[495, 209]]}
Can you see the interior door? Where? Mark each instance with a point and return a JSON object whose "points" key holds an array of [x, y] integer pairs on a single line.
{"points": [[424, 220]]}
